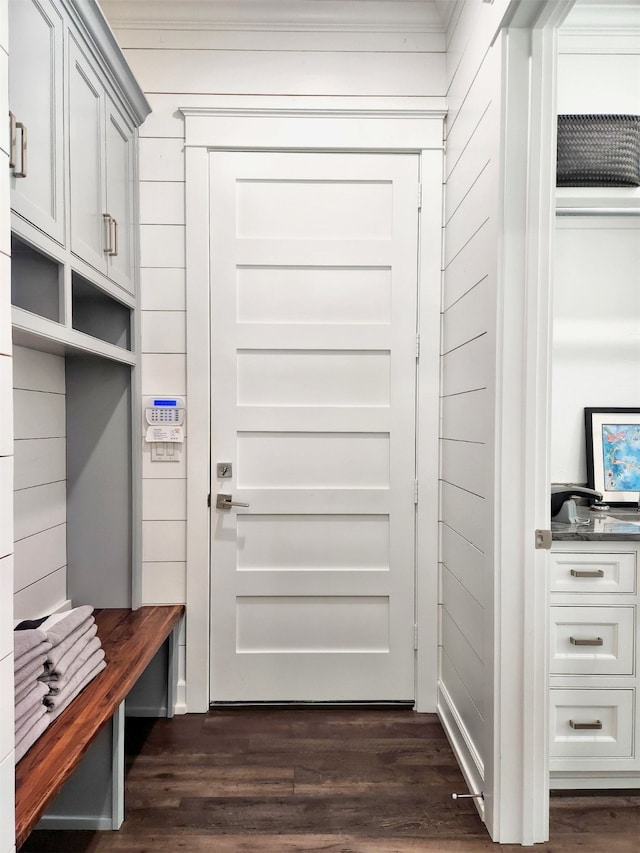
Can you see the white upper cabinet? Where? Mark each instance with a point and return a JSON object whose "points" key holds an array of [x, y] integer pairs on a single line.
{"points": [[74, 108], [36, 104], [119, 169], [101, 151], [86, 146]]}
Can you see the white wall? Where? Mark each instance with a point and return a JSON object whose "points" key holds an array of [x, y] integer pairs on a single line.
{"points": [[187, 64], [596, 333], [596, 339], [6, 462], [40, 530], [468, 394]]}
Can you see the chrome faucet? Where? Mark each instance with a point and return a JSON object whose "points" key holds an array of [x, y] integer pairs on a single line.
{"points": [[562, 492]]}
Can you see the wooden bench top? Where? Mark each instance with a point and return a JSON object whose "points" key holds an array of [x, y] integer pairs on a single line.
{"points": [[130, 639]]}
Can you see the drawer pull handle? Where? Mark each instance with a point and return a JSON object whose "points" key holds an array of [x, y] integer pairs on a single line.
{"points": [[582, 573], [596, 724], [593, 641]]}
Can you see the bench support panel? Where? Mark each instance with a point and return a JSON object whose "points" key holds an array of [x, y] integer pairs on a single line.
{"points": [[93, 797]]}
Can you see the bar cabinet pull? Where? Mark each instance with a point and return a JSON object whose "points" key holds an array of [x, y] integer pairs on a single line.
{"points": [[583, 573], [22, 172], [108, 249], [12, 140]]}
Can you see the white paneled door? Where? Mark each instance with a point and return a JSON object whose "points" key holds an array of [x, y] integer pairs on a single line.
{"points": [[313, 335]]}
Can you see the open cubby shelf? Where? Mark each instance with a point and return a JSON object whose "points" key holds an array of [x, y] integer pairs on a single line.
{"points": [[60, 310]]}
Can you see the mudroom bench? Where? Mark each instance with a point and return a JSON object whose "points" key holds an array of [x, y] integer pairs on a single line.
{"points": [[93, 797]]}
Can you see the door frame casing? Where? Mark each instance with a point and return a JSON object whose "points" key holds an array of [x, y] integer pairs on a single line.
{"points": [[295, 124], [519, 767]]}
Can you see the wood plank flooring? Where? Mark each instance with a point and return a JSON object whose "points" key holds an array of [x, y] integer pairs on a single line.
{"points": [[316, 779]]}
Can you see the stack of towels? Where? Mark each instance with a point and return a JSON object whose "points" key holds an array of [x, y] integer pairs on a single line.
{"points": [[55, 657]]}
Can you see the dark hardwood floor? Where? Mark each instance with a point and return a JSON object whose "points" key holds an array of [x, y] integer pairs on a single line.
{"points": [[316, 779]]}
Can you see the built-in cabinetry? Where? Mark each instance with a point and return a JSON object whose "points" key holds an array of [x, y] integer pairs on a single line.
{"points": [[594, 738], [594, 652], [75, 107], [36, 99], [101, 148]]}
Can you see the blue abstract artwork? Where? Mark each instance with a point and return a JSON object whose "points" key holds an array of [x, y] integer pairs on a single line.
{"points": [[621, 457]]}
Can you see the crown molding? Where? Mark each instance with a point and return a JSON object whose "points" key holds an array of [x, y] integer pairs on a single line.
{"points": [[445, 10], [89, 17], [597, 28], [283, 15], [615, 18], [600, 41]]}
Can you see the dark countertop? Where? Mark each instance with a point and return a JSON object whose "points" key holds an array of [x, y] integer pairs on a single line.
{"points": [[614, 525]]}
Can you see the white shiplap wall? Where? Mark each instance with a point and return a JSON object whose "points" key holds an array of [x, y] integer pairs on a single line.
{"points": [[40, 538], [188, 65], [468, 393], [7, 835]]}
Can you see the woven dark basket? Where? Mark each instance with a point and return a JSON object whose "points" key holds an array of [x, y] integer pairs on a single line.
{"points": [[598, 151]]}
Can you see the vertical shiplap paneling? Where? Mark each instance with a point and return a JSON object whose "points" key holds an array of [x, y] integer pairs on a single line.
{"points": [[39, 498], [468, 367]]}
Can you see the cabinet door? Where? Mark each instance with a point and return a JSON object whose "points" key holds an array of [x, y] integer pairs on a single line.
{"points": [[35, 99], [86, 142], [119, 140]]}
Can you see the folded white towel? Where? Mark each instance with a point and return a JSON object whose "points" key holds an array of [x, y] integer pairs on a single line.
{"points": [[26, 722], [71, 661], [31, 655], [24, 689], [61, 688], [31, 736], [29, 673], [63, 700], [32, 698], [58, 626], [24, 641], [71, 644]]}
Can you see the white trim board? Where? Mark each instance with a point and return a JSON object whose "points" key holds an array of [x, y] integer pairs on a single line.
{"points": [[280, 126], [268, 125], [312, 15]]}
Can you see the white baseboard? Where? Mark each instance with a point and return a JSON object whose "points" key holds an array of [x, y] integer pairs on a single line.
{"points": [[181, 698], [467, 757], [94, 822], [146, 711]]}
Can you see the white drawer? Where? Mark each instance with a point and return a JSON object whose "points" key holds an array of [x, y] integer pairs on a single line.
{"points": [[592, 640], [588, 723], [573, 572]]}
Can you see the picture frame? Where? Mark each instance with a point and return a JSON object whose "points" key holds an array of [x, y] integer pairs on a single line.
{"points": [[613, 453]]}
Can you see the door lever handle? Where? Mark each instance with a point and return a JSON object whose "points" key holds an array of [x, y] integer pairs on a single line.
{"points": [[226, 502]]}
